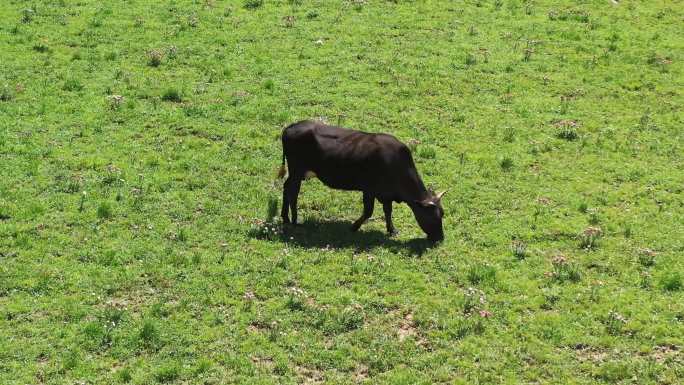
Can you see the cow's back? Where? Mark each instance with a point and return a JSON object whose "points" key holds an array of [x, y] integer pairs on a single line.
{"points": [[347, 159]]}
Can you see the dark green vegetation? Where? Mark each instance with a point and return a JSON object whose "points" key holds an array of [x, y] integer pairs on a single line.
{"points": [[138, 150]]}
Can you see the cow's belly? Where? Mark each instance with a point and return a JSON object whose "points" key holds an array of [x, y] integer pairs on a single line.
{"points": [[341, 181]]}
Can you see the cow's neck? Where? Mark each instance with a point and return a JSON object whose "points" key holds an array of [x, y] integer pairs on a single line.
{"points": [[415, 189]]}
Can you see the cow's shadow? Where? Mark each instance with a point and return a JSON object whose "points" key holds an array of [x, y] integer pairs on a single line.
{"points": [[336, 234]]}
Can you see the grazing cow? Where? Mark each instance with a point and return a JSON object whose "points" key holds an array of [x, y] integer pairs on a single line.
{"points": [[379, 165]]}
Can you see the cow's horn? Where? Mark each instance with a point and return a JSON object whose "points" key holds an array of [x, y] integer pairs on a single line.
{"points": [[440, 195]]}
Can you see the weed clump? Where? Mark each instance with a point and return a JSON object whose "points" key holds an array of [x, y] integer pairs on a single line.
{"points": [[148, 334], [519, 250], [569, 15], [614, 322], [154, 58], [40, 47], [646, 257], [506, 163], [115, 101], [427, 152], [563, 270], [253, 4], [480, 273], [6, 93], [104, 210], [172, 95], [72, 85], [589, 238], [167, 373], [566, 129], [27, 15], [470, 59], [671, 281]]}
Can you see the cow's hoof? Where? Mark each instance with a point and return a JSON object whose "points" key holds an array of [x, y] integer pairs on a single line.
{"points": [[392, 233], [354, 228]]}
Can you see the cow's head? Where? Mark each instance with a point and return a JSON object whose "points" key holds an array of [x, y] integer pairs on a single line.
{"points": [[429, 213]]}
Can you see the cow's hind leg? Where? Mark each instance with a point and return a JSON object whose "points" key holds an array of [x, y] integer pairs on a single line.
{"points": [[368, 203], [292, 188], [290, 194], [285, 210]]}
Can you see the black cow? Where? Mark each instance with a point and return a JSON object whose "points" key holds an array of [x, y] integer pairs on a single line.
{"points": [[377, 164]]}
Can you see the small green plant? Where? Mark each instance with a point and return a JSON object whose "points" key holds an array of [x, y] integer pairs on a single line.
{"points": [[312, 14], [81, 204], [671, 281], [614, 322], [41, 47], [519, 250], [154, 57], [124, 375], [182, 235], [646, 122], [589, 237], [660, 62], [4, 214], [551, 298], [115, 101], [193, 21], [253, 4], [172, 95], [168, 372], [509, 134], [148, 334], [646, 257], [527, 54], [506, 163], [27, 15], [567, 130], [563, 270], [6, 93], [473, 301], [271, 209], [296, 299], [583, 207], [529, 8], [427, 152], [645, 280], [569, 15], [104, 210], [413, 145], [470, 59], [72, 85], [481, 273], [358, 4], [203, 366], [594, 218]]}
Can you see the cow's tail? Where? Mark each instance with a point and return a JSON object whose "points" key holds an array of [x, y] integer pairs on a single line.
{"points": [[283, 169]]}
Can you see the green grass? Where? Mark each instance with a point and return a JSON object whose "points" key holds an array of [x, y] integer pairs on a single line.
{"points": [[139, 143]]}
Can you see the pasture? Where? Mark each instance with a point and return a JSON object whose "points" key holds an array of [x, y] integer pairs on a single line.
{"points": [[139, 144]]}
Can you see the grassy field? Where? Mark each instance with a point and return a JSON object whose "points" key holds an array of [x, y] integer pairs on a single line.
{"points": [[139, 142]]}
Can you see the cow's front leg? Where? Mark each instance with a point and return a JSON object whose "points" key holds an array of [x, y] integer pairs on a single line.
{"points": [[387, 208], [368, 203]]}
